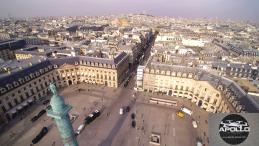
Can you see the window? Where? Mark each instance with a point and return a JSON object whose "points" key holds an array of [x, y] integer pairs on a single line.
{"points": [[27, 94], [208, 99], [37, 89], [10, 105], [21, 97], [4, 109], [215, 101], [32, 92], [16, 101]]}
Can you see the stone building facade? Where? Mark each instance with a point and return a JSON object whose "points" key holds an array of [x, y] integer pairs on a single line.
{"points": [[21, 89], [210, 92]]}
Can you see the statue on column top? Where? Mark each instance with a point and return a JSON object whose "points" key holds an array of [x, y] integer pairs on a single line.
{"points": [[53, 88]]}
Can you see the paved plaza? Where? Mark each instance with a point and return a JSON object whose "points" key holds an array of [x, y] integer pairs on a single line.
{"points": [[111, 128]]}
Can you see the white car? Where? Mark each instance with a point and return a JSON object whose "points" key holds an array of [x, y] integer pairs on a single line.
{"points": [[186, 110], [194, 124], [121, 111], [80, 129]]}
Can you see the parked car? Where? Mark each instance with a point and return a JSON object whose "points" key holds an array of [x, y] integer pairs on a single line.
{"points": [[80, 129], [92, 116], [121, 111], [42, 133], [186, 110], [46, 102], [35, 118], [180, 114], [194, 124], [42, 112], [127, 109], [133, 124], [133, 116], [97, 113]]}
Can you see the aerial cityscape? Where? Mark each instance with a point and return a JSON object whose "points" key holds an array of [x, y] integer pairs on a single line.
{"points": [[124, 78]]}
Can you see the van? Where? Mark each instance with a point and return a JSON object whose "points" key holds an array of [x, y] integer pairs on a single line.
{"points": [[186, 110]]}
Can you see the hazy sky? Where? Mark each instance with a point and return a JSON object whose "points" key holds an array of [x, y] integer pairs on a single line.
{"points": [[234, 9]]}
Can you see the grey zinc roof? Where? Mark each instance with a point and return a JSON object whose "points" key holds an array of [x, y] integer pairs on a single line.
{"points": [[214, 80], [22, 73], [36, 65], [12, 44]]}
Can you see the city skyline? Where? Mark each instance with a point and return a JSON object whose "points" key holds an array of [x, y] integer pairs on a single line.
{"points": [[128, 72], [222, 9]]}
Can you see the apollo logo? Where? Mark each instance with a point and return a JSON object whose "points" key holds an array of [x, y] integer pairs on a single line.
{"points": [[234, 129]]}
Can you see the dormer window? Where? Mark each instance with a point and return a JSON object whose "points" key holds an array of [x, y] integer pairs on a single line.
{"points": [[32, 75], [27, 78], [16, 84], [21, 80], [41, 71], [2, 90], [9, 86]]}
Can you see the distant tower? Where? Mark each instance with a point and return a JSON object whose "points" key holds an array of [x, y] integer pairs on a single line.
{"points": [[59, 111]]}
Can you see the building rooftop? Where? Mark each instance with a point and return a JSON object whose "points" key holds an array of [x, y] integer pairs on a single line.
{"points": [[213, 79], [12, 44], [20, 69]]}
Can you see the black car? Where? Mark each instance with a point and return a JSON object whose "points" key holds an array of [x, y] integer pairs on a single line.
{"points": [[92, 116], [133, 116], [127, 109], [46, 102], [89, 119], [33, 119], [96, 113], [126, 83], [133, 124], [42, 112], [42, 133]]}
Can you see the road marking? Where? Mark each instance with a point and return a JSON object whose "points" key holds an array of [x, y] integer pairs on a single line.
{"points": [[173, 131], [173, 117]]}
